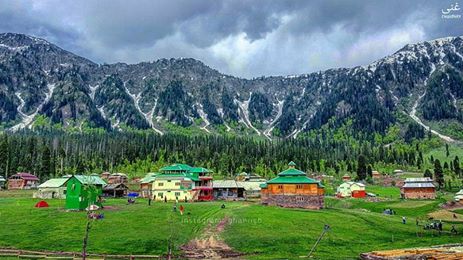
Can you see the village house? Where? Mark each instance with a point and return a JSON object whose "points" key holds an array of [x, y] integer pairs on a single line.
{"points": [[293, 189], [146, 185], [52, 189], [418, 188], [182, 182], [117, 190], [351, 189], [228, 190], [346, 177], [83, 191], [376, 175], [117, 178], [459, 196], [23, 181], [2, 182]]}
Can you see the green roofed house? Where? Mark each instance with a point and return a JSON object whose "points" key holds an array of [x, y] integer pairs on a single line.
{"points": [[182, 182], [293, 189], [52, 189], [83, 191]]}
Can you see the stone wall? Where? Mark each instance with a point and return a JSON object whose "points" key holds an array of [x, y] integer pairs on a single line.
{"points": [[293, 201]]}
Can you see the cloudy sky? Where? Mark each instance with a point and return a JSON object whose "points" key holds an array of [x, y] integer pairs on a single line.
{"points": [[242, 38]]}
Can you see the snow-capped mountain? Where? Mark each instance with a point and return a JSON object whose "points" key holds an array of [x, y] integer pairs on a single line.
{"points": [[39, 80]]}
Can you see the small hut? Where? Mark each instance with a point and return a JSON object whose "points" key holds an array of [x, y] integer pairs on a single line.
{"points": [[52, 189], [115, 190], [459, 196], [351, 189], [2, 182], [227, 190], [293, 189], [117, 178], [83, 191], [22, 181], [375, 175], [346, 177], [251, 188], [146, 184], [418, 188]]}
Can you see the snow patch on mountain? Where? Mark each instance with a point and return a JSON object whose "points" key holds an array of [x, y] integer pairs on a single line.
{"points": [[28, 119], [244, 107], [203, 115]]}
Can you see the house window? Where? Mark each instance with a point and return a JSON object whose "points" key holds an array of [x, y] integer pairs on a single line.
{"points": [[177, 184], [73, 187], [168, 180], [299, 186], [280, 187], [160, 184], [177, 194], [161, 195]]}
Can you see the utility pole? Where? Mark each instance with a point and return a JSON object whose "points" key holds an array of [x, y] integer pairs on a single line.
{"points": [[326, 228]]}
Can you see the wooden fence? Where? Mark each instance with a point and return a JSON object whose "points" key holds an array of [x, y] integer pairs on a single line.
{"points": [[30, 254]]}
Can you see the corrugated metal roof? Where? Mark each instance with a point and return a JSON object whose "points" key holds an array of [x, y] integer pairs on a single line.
{"points": [[2, 178], [54, 183], [26, 176], [419, 185], [223, 184], [426, 179], [251, 185], [92, 179]]}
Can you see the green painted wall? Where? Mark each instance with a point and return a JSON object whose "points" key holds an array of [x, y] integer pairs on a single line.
{"points": [[79, 196]]}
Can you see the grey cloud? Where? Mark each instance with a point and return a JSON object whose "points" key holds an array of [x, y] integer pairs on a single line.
{"points": [[240, 37]]}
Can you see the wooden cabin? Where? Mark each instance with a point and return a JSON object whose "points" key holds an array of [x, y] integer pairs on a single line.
{"points": [[376, 175], [83, 191], [118, 190], [117, 178], [293, 189], [351, 189], [346, 177], [228, 190], [23, 181], [418, 188]]}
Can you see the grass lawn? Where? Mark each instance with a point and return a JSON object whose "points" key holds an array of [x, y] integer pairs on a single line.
{"points": [[259, 231], [386, 192], [440, 153]]}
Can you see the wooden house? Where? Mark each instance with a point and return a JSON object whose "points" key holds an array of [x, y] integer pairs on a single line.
{"points": [[418, 188], [146, 185], [117, 190], [346, 177], [117, 178], [293, 189], [83, 191], [376, 175], [2, 182], [228, 190], [52, 189], [182, 182], [23, 181], [351, 189]]}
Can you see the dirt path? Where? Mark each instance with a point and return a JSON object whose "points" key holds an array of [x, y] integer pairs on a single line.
{"points": [[210, 245]]}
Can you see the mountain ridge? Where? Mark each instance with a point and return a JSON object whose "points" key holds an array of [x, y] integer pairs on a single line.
{"points": [[188, 93]]}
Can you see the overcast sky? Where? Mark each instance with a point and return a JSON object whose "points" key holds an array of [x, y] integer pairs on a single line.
{"points": [[241, 38]]}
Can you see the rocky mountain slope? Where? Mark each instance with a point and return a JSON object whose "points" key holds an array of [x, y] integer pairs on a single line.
{"points": [[40, 80]]}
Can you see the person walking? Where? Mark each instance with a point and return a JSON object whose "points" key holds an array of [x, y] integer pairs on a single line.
{"points": [[404, 220]]}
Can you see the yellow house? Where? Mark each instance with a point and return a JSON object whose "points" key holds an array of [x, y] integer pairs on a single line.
{"points": [[171, 187], [183, 183]]}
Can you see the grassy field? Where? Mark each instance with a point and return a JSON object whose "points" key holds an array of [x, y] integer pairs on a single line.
{"points": [[258, 231]]}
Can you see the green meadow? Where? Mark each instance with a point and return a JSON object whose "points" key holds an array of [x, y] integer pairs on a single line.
{"points": [[259, 232]]}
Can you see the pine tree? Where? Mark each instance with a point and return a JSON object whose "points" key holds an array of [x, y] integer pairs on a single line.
{"points": [[447, 153], [438, 173], [427, 173], [456, 166], [4, 156], [45, 164], [361, 168]]}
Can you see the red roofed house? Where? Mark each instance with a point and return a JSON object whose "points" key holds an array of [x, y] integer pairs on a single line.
{"points": [[23, 181]]}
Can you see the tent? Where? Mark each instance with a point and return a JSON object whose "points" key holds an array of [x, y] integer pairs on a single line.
{"points": [[52, 189], [41, 204]]}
